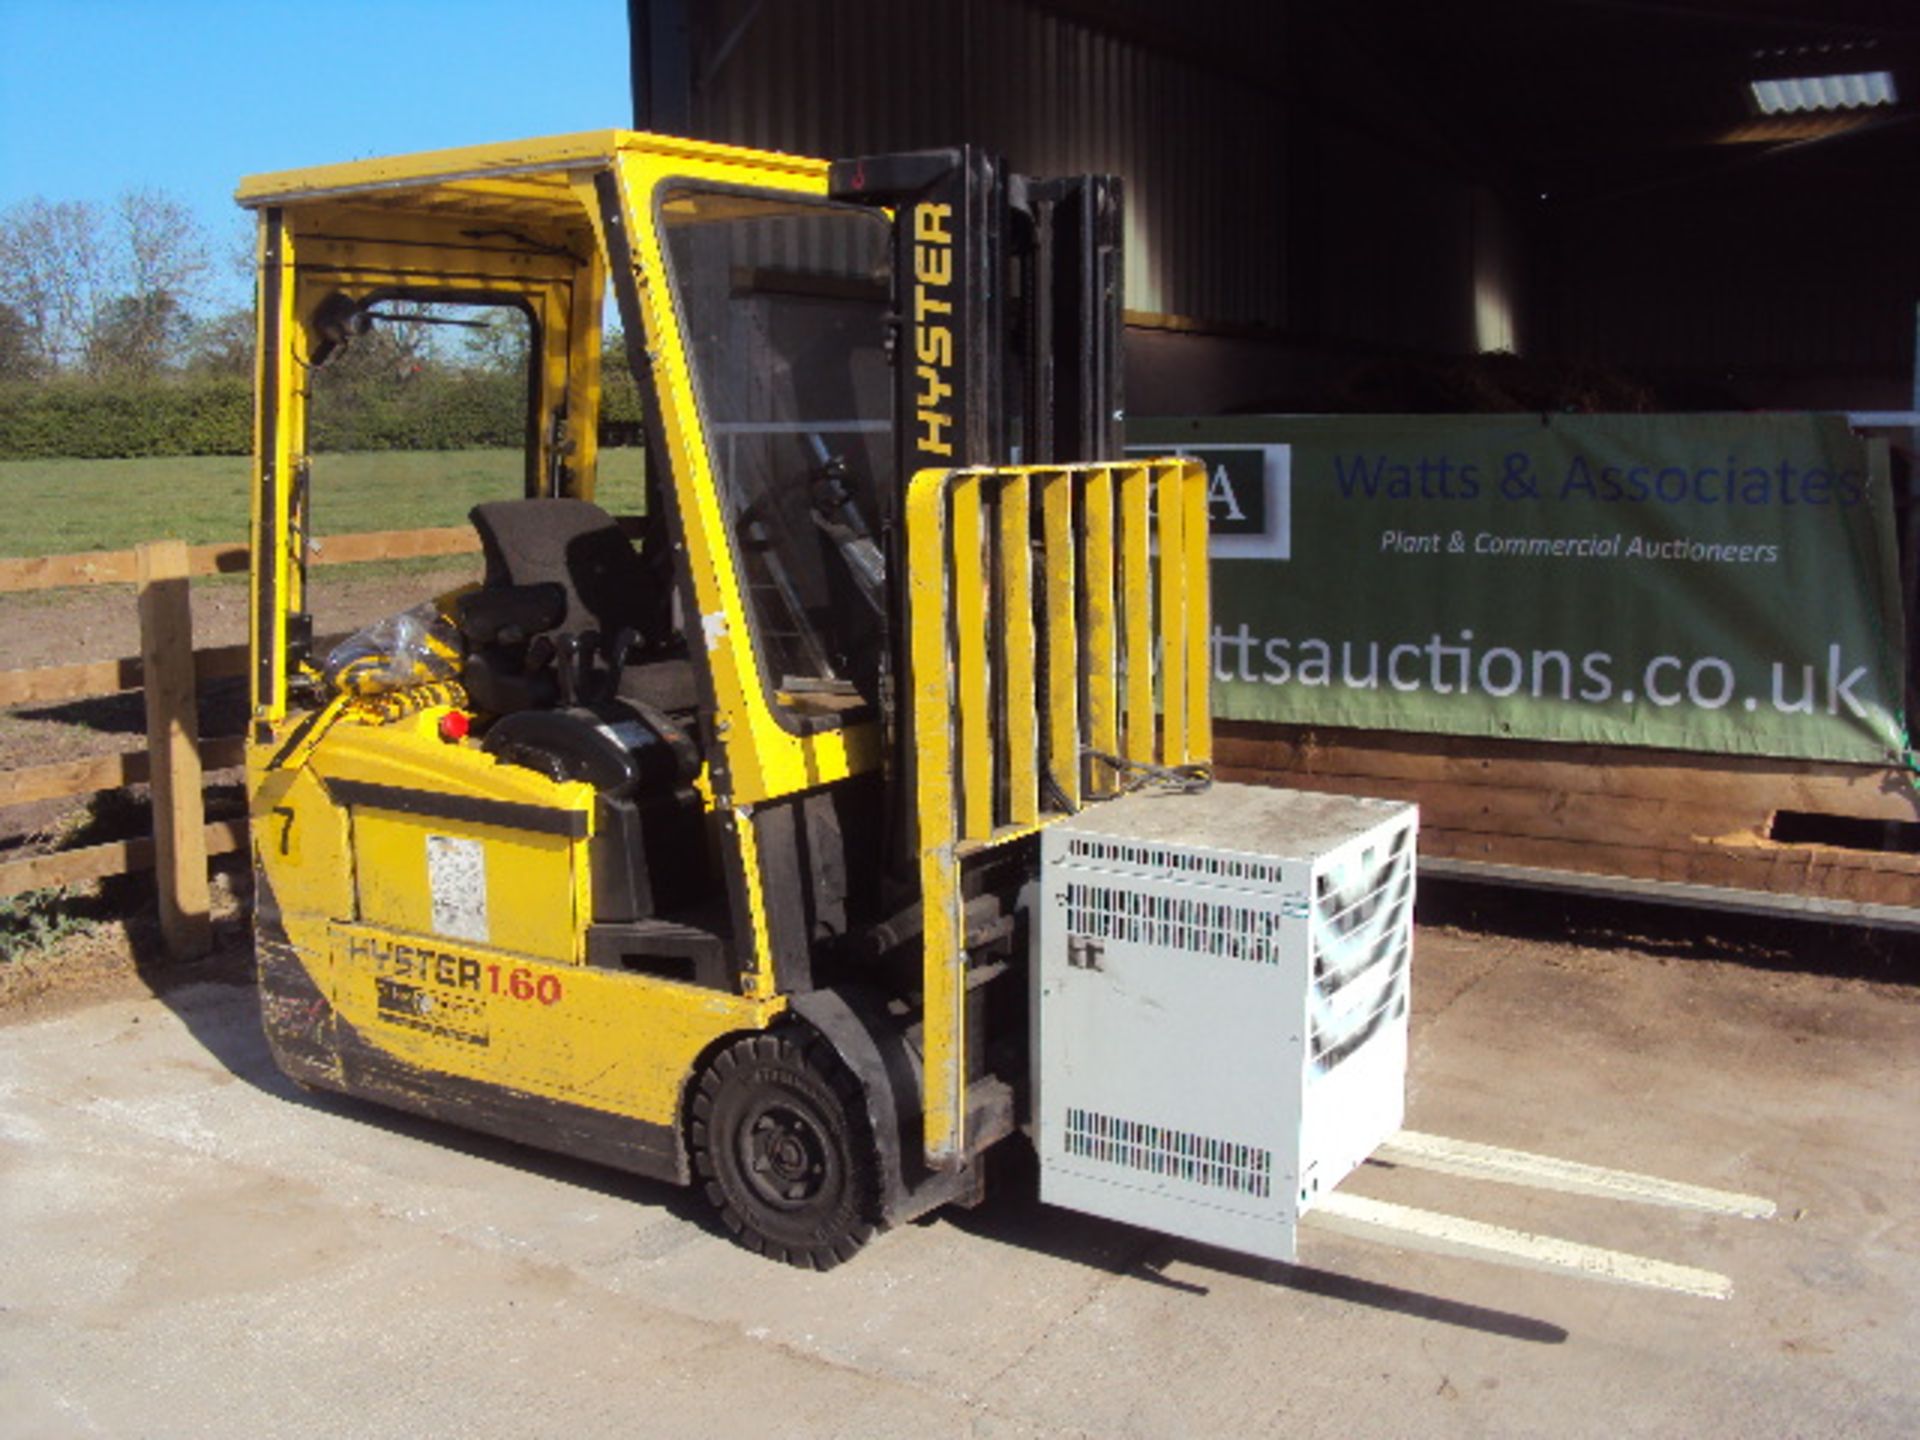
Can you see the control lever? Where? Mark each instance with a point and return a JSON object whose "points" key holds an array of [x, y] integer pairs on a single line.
{"points": [[566, 664], [619, 650], [839, 518]]}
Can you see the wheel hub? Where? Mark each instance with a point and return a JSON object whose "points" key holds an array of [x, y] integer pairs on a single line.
{"points": [[786, 1157]]}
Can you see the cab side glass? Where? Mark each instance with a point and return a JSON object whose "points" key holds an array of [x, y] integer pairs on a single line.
{"points": [[783, 304]]}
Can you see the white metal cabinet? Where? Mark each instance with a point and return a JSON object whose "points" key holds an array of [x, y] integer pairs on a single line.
{"points": [[1221, 1009]]}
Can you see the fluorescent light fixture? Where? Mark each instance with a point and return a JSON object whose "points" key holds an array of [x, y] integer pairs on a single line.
{"points": [[1809, 93]]}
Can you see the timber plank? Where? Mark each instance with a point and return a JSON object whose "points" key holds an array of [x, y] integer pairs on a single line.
{"points": [[69, 867], [109, 567], [1507, 821], [223, 753], [174, 777], [1519, 810], [65, 779], [94, 678], [1860, 791], [1490, 747], [1325, 744], [219, 662], [96, 862], [68, 778], [119, 567], [394, 545], [1812, 870], [51, 683], [55, 572], [225, 558]]}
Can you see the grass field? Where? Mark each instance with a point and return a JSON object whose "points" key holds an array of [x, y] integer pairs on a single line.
{"points": [[58, 507]]}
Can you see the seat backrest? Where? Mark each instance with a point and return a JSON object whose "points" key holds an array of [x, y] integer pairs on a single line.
{"points": [[570, 543]]}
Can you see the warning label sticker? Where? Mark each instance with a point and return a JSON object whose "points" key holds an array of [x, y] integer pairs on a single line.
{"points": [[457, 881], [449, 1014]]}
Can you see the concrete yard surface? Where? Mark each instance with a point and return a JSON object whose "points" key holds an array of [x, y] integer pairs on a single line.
{"points": [[191, 1246]]}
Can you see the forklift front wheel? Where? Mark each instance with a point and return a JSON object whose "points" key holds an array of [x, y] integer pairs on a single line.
{"points": [[780, 1141]]}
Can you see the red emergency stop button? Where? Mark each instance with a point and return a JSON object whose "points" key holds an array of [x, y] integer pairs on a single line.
{"points": [[454, 726]]}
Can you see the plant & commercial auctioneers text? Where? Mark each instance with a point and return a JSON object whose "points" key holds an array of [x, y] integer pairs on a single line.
{"points": [[1576, 547]]}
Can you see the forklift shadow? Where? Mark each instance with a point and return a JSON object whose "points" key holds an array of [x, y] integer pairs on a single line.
{"points": [[1015, 1217], [219, 1004], [1419, 1305]]}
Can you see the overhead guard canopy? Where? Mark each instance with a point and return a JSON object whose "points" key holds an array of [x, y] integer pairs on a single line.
{"points": [[516, 176]]}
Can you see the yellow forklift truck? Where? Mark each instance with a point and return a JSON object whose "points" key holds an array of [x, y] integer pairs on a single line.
{"points": [[846, 813]]}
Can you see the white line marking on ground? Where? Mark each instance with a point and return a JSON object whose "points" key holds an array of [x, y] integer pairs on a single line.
{"points": [[1517, 1167], [1412, 1229]]}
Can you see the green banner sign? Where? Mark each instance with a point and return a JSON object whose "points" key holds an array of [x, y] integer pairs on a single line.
{"points": [[1724, 583]]}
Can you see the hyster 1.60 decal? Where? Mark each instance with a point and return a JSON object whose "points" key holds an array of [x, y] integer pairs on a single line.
{"points": [[444, 992]]}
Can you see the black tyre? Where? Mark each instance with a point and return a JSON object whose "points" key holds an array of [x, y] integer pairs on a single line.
{"points": [[781, 1144]]}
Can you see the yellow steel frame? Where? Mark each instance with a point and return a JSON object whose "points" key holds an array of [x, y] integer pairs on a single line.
{"points": [[624, 1043], [280, 358], [983, 757], [329, 246], [359, 253], [360, 227], [765, 759]]}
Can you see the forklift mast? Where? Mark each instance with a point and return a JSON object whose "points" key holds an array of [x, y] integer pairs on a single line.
{"points": [[1008, 308], [1006, 341]]}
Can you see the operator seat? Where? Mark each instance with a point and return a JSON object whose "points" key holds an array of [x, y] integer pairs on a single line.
{"points": [[616, 608], [572, 543], [586, 687]]}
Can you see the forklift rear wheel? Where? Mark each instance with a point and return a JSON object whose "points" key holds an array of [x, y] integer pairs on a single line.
{"points": [[781, 1144]]}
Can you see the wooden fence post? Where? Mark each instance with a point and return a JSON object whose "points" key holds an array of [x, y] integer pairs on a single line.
{"points": [[173, 748]]}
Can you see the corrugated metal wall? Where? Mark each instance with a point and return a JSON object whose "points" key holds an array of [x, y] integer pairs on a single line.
{"points": [[1202, 150], [1290, 188], [1291, 210]]}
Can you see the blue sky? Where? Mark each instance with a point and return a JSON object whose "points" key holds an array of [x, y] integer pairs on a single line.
{"points": [[98, 96]]}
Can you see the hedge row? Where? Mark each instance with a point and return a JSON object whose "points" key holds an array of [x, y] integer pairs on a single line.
{"points": [[431, 411], [111, 422], [214, 416]]}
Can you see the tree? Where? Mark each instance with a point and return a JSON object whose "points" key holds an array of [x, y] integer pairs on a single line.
{"points": [[52, 275], [137, 336], [17, 358], [222, 345], [87, 285], [501, 346], [162, 251], [237, 253], [619, 393]]}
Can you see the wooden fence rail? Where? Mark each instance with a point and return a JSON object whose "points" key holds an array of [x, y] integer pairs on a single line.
{"points": [[122, 567], [169, 672]]}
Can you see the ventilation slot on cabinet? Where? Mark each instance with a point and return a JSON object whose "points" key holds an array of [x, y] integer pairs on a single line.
{"points": [[1173, 922], [1175, 1154], [1360, 942], [1168, 860]]}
